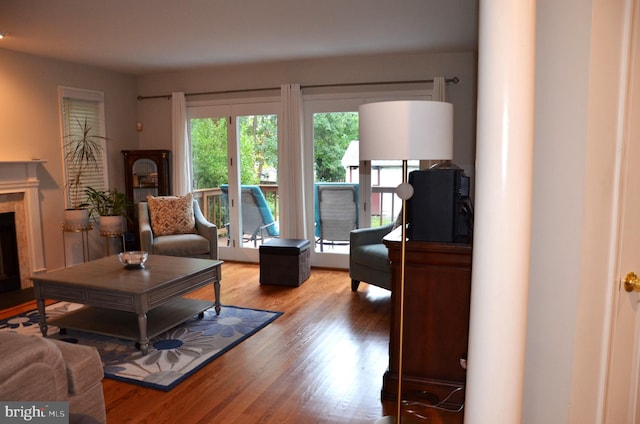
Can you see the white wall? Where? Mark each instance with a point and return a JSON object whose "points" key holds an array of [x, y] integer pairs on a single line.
{"points": [[156, 113], [576, 82], [30, 128]]}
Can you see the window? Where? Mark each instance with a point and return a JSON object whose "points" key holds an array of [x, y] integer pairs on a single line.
{"points": [[335, 138], [234, 151], [234, 145], [82, 118], [332, 135]]}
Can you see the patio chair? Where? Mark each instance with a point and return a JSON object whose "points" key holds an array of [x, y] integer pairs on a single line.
{"points": [[258, 223], [337, 213]]}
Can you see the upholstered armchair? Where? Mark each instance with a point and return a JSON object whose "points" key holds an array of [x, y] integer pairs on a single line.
{"points": [[368, 257], [175, 226], [41, 369]]}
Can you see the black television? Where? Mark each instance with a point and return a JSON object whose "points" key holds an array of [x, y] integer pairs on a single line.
{"points": [[440, 209]]}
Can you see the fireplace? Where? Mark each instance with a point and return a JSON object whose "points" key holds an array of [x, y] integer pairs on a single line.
{"points": [[20, 204], [9, 263]]}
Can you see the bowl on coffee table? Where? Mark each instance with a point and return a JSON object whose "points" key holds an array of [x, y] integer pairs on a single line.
{"points": [[134, 259]]}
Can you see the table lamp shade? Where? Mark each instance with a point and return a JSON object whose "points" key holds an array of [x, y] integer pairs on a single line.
{"points": [[407, 129]]}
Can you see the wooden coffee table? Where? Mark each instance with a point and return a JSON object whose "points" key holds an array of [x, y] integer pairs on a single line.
{"points": [[134, 304]]}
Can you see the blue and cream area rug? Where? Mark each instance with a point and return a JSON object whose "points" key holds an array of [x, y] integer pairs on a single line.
{"points": [[173, 356]]}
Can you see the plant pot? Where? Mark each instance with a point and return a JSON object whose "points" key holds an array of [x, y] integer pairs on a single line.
{"points": [[76, 219], [112, 225]]}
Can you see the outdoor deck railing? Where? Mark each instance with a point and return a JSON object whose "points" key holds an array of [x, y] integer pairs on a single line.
{"points": [[214, 207]]}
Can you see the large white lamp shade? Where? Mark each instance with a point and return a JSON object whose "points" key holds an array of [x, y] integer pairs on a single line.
{"points": [[406, 129]]}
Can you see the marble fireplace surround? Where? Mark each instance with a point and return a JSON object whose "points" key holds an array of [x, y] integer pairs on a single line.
{"points": [[19, 193]]}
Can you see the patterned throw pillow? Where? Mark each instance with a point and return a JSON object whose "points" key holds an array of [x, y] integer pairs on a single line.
{"points": [[172, 215]]}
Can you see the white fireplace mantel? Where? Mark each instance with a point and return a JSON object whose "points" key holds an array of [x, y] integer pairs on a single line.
{"points": [[22, 177]]}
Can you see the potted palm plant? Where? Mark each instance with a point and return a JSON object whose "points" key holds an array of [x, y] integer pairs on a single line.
{"points": [[110, 207], [83, 151]]}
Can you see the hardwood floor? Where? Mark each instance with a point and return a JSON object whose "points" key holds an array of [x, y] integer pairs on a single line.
{"points": [[321, 362]]}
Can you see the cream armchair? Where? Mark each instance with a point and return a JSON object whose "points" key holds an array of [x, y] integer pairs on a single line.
{"points": [[201, 243], [40, 369]]}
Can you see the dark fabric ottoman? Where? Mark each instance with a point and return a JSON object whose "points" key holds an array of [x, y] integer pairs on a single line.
{"points": [[285, 262]]}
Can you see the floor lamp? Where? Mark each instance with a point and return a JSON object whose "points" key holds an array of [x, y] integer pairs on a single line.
{"points": [[405, 130]]}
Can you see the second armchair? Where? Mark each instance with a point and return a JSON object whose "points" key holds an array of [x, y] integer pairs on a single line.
{"points": [[198, 241], [369, 257]]}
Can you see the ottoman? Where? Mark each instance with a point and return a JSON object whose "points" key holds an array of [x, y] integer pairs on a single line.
{"points": [[284, 262]]}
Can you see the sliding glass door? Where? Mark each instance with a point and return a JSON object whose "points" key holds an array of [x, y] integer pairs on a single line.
{"points": [[346, 193], [235, 173], [332, 178], [235, 168], [336, 176]]}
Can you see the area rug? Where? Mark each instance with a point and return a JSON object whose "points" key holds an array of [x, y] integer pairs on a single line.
{"points": [[173, 356]]}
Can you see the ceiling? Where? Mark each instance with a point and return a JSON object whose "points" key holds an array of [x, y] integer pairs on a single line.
{"points": [[149, 36]]}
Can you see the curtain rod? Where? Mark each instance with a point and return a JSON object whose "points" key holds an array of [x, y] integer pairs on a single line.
{"points": [[453, 80]]}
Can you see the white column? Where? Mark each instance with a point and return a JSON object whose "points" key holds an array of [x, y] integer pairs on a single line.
{"points": [[34, 220], [503, 212]]}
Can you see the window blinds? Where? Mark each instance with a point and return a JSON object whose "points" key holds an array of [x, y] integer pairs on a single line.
{"points": [[75, 112]]}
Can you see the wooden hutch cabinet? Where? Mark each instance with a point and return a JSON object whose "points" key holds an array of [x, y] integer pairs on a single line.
{"points": [[146, 172], [437, 298]]}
